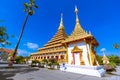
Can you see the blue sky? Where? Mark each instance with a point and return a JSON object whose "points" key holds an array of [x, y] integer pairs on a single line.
{"points": [[101, 17]]}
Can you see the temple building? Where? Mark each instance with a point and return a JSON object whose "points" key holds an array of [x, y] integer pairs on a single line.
{"points": [[54, 48], [105, 59], [76, 50], [63, 48]]}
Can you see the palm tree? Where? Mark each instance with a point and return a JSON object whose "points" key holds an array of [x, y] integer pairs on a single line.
{"points": [[116, 46], [29, 9]]}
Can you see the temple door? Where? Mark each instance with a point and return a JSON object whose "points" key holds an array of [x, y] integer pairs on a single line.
{"points": [[77, 58]]}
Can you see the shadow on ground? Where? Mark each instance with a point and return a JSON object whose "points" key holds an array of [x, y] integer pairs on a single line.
{"points": [[110, 73], [6, 72]]}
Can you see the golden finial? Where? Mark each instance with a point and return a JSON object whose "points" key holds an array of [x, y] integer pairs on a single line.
{"points": [[76, 11], [61, 22]]}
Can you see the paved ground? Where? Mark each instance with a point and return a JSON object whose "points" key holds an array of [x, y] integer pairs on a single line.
{"points": [[6, 73], [27, 73]]}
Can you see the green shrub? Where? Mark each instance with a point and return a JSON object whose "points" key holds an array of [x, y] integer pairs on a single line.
{"points": [[114, 59], [57, 64], [52, 60], [49, 64], [35, 61], [113, 64]]}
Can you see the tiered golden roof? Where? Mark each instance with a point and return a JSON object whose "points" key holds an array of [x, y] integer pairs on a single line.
{"points": [[55, 44], [105, 57], [78, 32]]}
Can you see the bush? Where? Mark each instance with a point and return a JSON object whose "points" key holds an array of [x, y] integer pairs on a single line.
{"points": [[35, 63], [114, 59], [57, 64], [19, 60], [52, 60], [99, 58], [113, 64], [49, 64], [44, 61]]}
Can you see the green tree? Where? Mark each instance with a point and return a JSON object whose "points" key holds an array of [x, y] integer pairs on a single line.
{"points": [[29, 9], [99, 58], [19, 59], [35, 61], [3, 36], [116, 46], [44, 61], [114, 59], [52, 62]]}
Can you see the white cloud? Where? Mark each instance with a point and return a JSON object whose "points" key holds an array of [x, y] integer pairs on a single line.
{"points": [[103, 49], [31, 45], [23, 52]]}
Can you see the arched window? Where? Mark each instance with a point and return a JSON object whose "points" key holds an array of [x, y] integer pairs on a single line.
{"points": [[38, 57], [52, 56], [56, 57], [48, 57], [41, 57], [45, 57], [62, 57]]}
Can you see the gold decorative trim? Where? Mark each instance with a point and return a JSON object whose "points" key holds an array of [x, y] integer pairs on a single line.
{"points": [[76, 49]]}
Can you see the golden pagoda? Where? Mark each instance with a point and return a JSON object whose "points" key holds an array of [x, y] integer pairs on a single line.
{"points": [[58, 46], [105, 59], [79, 35], [54, 48], [76, 51]]}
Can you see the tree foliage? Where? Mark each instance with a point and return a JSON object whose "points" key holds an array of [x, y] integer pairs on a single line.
{"points": [[44, 61], [114, 59], [100, 61], [35, 61], [19, 59], [116, 46], [52, 60], [29, 9], [3, 36]]}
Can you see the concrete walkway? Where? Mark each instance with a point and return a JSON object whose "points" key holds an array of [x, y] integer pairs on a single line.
{"points": [[45, 74], [28, 73]]}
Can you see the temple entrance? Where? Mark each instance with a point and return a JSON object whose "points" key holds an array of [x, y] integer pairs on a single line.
{"points": [[77, 58]]}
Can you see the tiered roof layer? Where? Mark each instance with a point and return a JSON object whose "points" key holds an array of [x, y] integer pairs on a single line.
{"points": [[79, 33], [57, 39]]}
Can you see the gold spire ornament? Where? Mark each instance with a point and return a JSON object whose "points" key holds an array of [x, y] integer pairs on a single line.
{"points": [[78, 32], [76, 11], [61, 22]]}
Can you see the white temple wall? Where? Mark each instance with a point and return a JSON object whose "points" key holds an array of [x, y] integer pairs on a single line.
{"points": [[81, 45]]}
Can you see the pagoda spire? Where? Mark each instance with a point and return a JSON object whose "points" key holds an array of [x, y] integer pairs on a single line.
{"points": [[78, 28], [61, 23], [76, 11]]}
